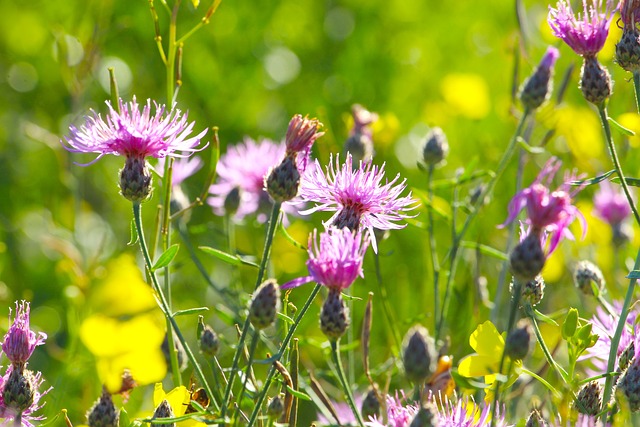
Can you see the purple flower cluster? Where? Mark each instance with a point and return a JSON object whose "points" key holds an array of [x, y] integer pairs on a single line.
{"points": [[20, 397]]}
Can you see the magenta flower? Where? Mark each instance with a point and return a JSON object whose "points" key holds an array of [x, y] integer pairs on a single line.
{"points": [[587, 32], [358, 197], [336, 261], [466, 413], [135, 134], [548, 211], [610, 205], [301, 135], [182, 169], [399, 413], [20, 341], [604, 325]]}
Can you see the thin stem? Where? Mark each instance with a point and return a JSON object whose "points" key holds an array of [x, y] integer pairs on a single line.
{"points": [[435, 265], [171, 57], [275, 213], [502, 166], [283, 347], [252, 352], [636, 86], [547, 354], [335, 355], [616, 162], [386, 309], [204, 21], [165, 307]]}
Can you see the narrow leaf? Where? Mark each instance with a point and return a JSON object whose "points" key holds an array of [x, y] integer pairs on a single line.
{"points": [[485, 250], [166, 258], [634, 182], [591, 181], [188, 311], [545, 318], [133, 239], [228, 258], [623, 130], [298, 394]]}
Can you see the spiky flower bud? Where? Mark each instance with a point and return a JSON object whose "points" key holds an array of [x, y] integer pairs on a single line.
{"points": [[419, 354], [103, 413], [209, 341], [436, 147], [164, 411], [19, 390], [628, 50], [370, 405], [629, 383], [595, 81], [586, 274], [589, 399], [135, 180], [275, 408], [265, 304], [527, 258], [532, 291], [517, 344], [535, 419], [427, 416], [283, 181], [538, 87], [334, 316]]}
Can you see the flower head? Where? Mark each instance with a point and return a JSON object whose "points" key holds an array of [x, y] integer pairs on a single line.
{"points": [[20, 341], [548, 211], [335, 261], [135, 134], [399, 413], [610, 205], [586, 32], [358, 197], [301, 135], [467, 413]]}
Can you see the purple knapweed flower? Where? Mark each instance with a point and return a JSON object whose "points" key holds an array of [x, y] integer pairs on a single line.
{"points": [[20, 341], [467, 413], [301, 134], [610, 205], [182, 169], [548, 211], [335, 261], [399, 413], [135, 134], [586, 32], [604, 325], [358, 196]]}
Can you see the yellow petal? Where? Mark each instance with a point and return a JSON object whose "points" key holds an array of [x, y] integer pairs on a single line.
{"points": [[487, 341], [476, 365]]}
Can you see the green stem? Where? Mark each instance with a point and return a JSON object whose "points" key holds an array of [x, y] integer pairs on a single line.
{"points": [[386, 308], [171, 56], [335, 355], [636, 86], [275, 213], [502, 166], [283, 347], [435, 265], [165, 307], [547, 354], [252, 352]]}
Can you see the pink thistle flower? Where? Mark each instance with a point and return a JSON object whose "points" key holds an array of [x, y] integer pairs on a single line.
{"points": [[610, 205], [548, 211], [20, 341], [466, 413], [399, 413], [335, 261], [358, 196], [301, 135], [135, 134], [586, 32]]}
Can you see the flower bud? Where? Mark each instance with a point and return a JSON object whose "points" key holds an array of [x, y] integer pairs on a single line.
{"points": [[595, 81], [586, 275], [209, 341], [135, 180], [629, 383], [19, 390], [103, 413], [589, 399], [517, 344], [527, 258], [265, 305], [334, 316], [283, 181], [232, 201], [537, 88], [436, 147], [275, 408], [628, 51], [370, 405], [532, 291], [419, 355], [164, 411], [626, 357]]}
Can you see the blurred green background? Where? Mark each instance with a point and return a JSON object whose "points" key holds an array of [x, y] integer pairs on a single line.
{"points": [[417, 63]]}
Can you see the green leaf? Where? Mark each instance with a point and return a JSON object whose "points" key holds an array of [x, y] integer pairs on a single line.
{"points": [[133, 239], [545, 318], [485, 250], [623, 130], [529, 148], [298, 394], [591, 181], [166, 258], [228, 258], [189, 311], [634, 182]]}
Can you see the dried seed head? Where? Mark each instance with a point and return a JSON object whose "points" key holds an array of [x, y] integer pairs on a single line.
{"points": [[283, 181], [527, 258], [135, 180], [518, 340], [595, 81], [334, 316], [265, 304], [103, 413], [419, 354], [436, 147], [586, 276], [589, 399]]}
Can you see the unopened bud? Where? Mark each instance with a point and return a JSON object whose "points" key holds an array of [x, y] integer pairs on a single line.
{"points": [[135, 180], [275, 408], [626, 357], [527, 258], [164, 411], [532, 291], [629, 384], [628, 51], [283, 181], [587, 276], [537, 88], [517, 343], [370, 405], [436, 147], [103, 413], [177, 345], [232, 201], [419, 355], [19, 390], [595, 81], [334, 316], [209, 341], [265, 304], [589, 399]]}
